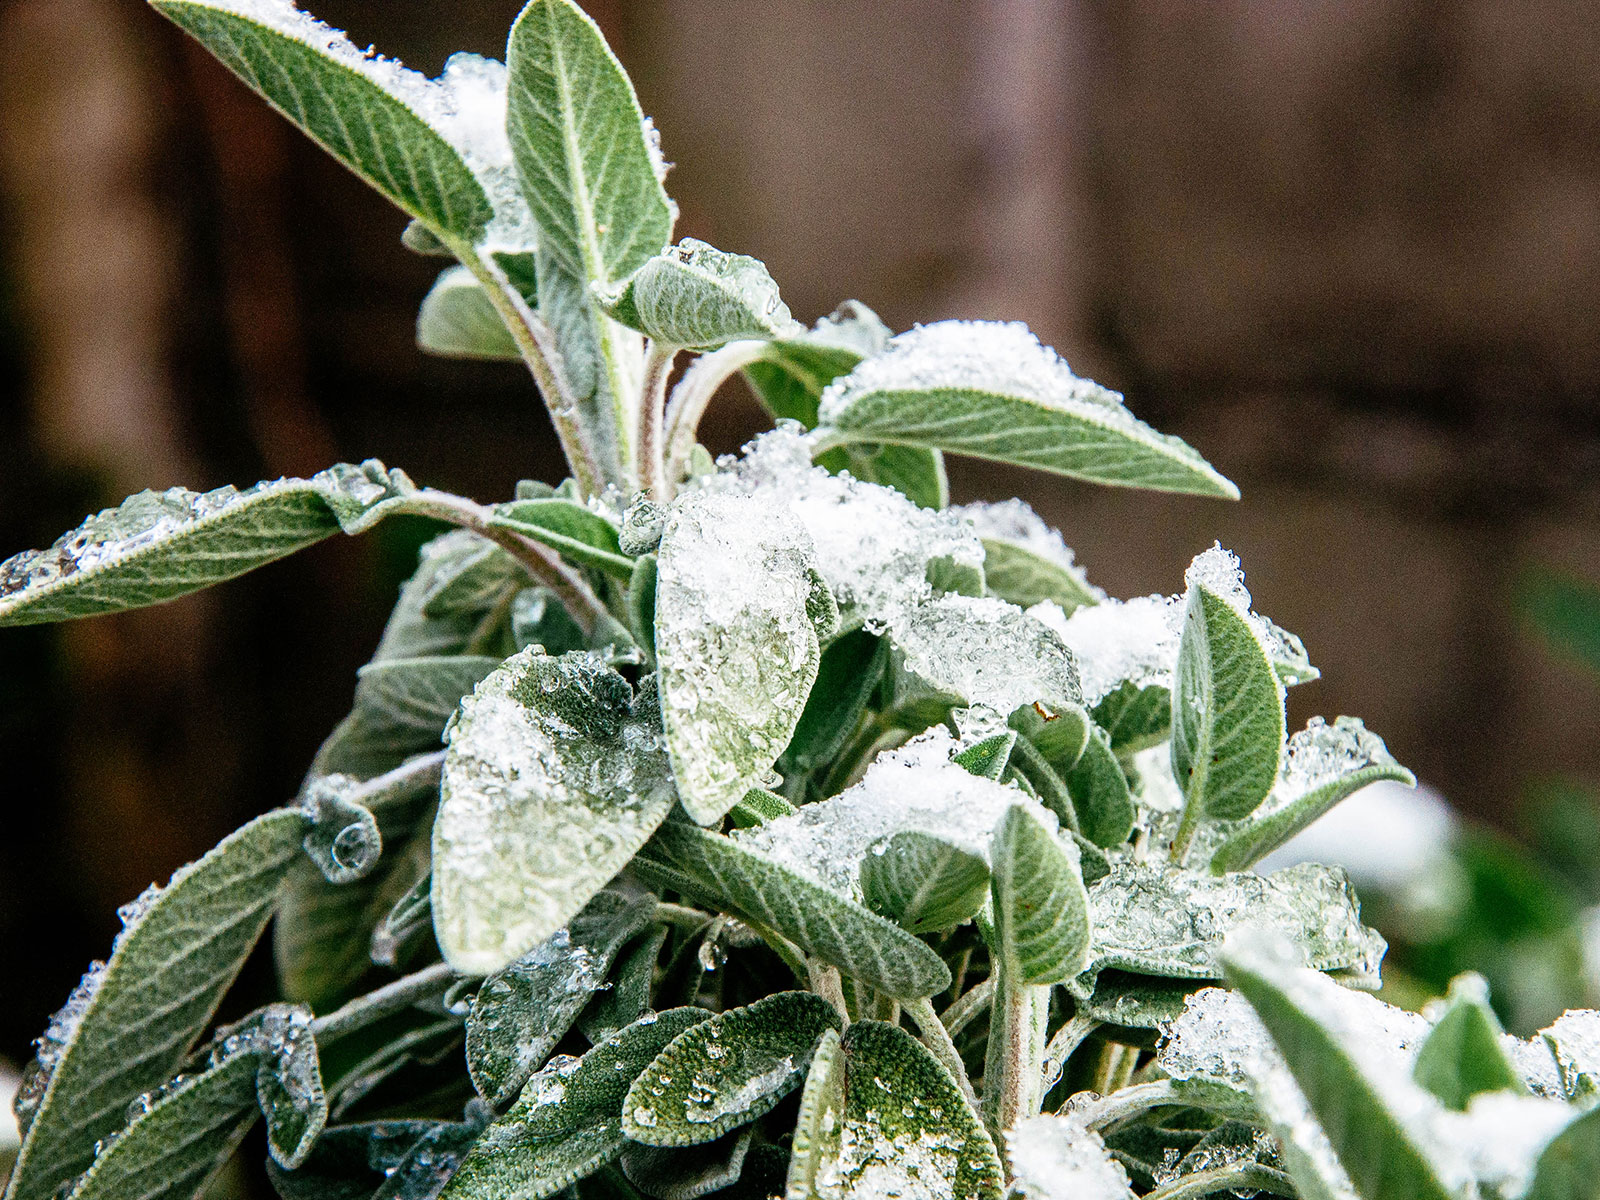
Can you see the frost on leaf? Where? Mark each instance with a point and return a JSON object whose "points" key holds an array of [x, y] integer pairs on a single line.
{"points": [[1061, 1158], [551, 783], [1025, 560], [697, 296], [739, 608], [916, 787], [1574, 1039], [873, 545]]}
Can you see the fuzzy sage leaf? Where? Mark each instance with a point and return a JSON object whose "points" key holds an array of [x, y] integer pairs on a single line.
{"points": [[923, 883], [698, 297], [458, 320], [1041, 910]]}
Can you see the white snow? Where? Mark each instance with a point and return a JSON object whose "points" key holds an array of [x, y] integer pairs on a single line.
{"points": [[1061, 1158]]}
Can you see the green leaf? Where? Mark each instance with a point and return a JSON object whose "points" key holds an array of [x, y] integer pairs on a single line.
{"points": [[1227, 711], [687, 1172], [520, 1013], [1324, 765], [916, 473], [632, 986], [738, 608], [1169, 922], [719, 873], [1135, 718], [568, 1120], [458, 320], [1370, 1138], [1025, 560], [574, 529], [1100, 793], [1041, 909], [589, 165], [366, 112], [991, 391], [698, 297], [451, 602], [728, 1071], [187, 1132], [288, 1082], [1569, 1167], [1463, 1055], [923, 883], [1136, 1001], [847, 674], [600, 363], [642, 603], [344, 839], [989, 757], [401, 708], [881, 1116], [409, 923], [551, 782], [129, 1026], [758, 807], [157, 546]]}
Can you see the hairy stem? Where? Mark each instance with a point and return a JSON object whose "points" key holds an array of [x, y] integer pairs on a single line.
{"points": [[652, 434], [1011, 1076], [971, 1005], [693, 393], [937, 1039], [418, 775], [1129, 1102], [1188, 826], [391, 998], [826, 983], [681, 916], [1067, 1039], [1248, 1178]]}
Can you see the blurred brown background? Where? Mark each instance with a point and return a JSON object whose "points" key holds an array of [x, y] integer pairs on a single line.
{"points": [[1349, 250]]}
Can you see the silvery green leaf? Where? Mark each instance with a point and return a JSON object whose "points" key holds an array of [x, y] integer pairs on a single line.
{"points": [[687, 1172], [1026, 561], [521, 1012], [427, 621], [739, 603], [551, 782], [989, 757], [1100, 793], [401, 708], [642, 604], [881, 1116], [409, 923], [1463, 1054], [1574, 1039], [351, 1162], [288, 1081], [1365, 1119], [568, 1119], [718, 872], [698, 297], [847, 675], [1227, 708], [343, 840], [991, 390], [923, 883], [589, 163], [1569, 1167], [130, 1024], [916, 473], [181, 1136], [1168, 922], [387, 124], [156, 546], [458, 320], [632, 987], [1041, 909], [538, 619], [471, 582], [577, 531], [1323, 765], [600, 363], [1135, 1001], [728, 1071], [1060, 1158], [758, 807], [1135, 718]]}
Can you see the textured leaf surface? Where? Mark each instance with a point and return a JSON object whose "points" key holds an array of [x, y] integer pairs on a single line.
{"points": [[1135, 718], [458, 320], [445, 605], [1369, 1137], [632, 986], [989, 757], [1463, 1054], [401, 707], [847, 674], [1100, 792], [589, 167], [880, 1116], [289, 1083], [738, 604], [578, 532], [156, 546], [696, 296], [1041, 909], [551, 782], [687, 1172], [1227, 710], [520, 1013], [728, 1071], [1569, 1167], [129, 1026], [990, 390], [377, 1160], [173, 1149], [923, 883], [1136, 1001], [368, 127], [718, 872], [568, 1120]]}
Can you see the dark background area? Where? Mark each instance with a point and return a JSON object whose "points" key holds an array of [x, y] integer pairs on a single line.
{"points": [[1350, 251]]}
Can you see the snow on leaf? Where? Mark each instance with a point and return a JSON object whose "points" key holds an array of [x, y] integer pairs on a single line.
{"points": [[1025, 560], [696, 296], [1061, 1158]]}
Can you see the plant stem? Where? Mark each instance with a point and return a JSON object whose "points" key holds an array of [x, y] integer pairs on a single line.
{"points": [[1011, 1075], [1129, 1102], [937, 1039], [1067, 1039], [404, 781], [1188, 826], [652, 435], [693, 393], [1253, 1178], [537, 347], [680, 915], [826, 983], [391, 998], [960, 1014]]}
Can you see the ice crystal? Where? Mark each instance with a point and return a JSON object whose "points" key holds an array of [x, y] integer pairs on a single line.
{"points": [[50, 1046], [1116, 640], [1061, 1158], [985, 651]]}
